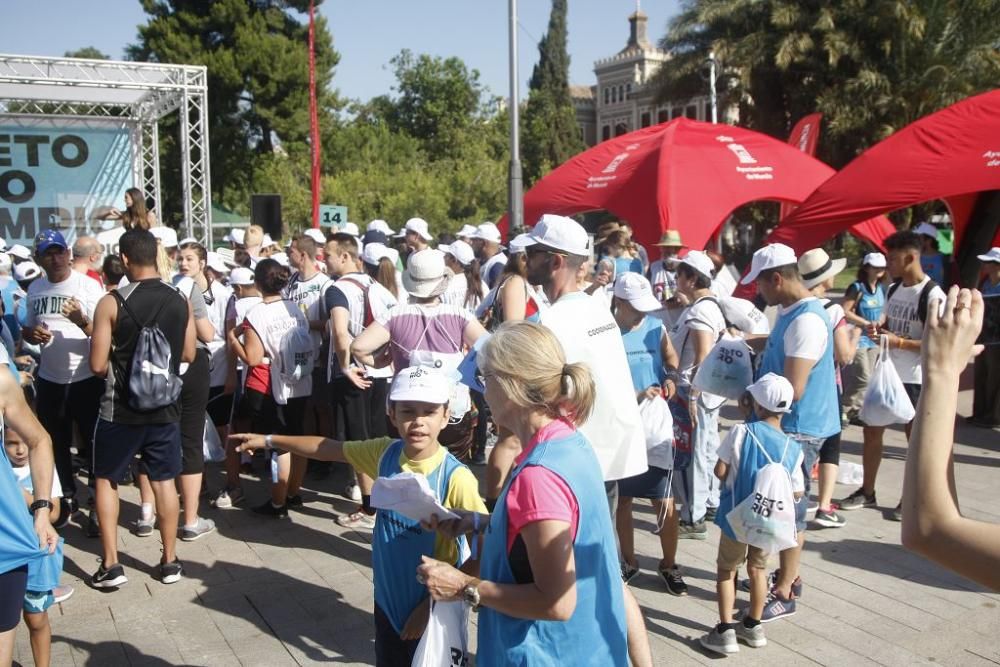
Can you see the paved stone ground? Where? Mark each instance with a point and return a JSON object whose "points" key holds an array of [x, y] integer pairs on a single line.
{"points": [[299, 592]]}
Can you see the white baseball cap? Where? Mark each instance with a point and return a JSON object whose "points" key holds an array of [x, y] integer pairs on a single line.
{"points": [[186, 240], [3, 242], [876, 260], [635, 289], [19, 251], [487, 232], [699, 262], [927, 229], [281, 258], [375, 252], [561, 233], [773, 392], [350, 228], [267, 241], [167, 236], [425, 273], [26, 271], [316, 235], [993, 255], [5, 262], [422, 384], [815, 266], [466, 231], [520, 243], [418, 225], [236, 236], [380, 226], [461, 251], [769, 257], [241, 276], [215, 262]]}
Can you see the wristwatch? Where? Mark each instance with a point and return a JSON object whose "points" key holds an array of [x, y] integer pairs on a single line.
{"points": [[471, 594], [268, 444], [39, 504]]}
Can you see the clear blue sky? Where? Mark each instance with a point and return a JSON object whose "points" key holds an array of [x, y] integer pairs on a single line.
{"points": [[367, 33]]}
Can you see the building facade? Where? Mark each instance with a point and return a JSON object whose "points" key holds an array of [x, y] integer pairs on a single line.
{"points": [[624, 98]]}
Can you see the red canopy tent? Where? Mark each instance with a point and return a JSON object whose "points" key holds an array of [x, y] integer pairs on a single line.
{"points": [[952, 155], [684, 175]]}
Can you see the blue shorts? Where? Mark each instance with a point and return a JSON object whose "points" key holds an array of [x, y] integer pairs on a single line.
{"points": [[158, 445], [37, 603], [654, 484]]}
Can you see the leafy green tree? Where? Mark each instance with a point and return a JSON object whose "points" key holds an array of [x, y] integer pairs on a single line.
{"points": [[551, 133], [91, 52], [256, 52], [870, 66]]}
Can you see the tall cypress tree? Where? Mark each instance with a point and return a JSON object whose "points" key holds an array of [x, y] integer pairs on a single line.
{"points": [[551, 133]]}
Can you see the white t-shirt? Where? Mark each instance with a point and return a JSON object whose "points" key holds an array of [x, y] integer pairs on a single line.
{"points": [[663, 280], [23, 476], [308, 296], [458, 288], [807, 336], [352, 297], [216, 300], [732, 446], [66, 357], [705, 314], [901, 317], [589, 334]]}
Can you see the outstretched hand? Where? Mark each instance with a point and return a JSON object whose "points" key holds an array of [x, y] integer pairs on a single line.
{"points": [[950, 337], [248, 442]]}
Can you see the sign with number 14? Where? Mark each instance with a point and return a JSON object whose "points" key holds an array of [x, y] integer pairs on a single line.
{"points": [[332, 216]]}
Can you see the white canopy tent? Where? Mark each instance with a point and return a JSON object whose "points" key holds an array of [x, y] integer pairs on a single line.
{"points": [[137, 94]]}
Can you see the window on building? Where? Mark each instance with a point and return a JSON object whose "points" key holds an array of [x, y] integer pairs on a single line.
{"points": [[644, 120], [628, 88], [605, 133], [676, 112], [620, 129], [614, 94], [663, 115], [692, 111], [621, 93], [607, 95]]}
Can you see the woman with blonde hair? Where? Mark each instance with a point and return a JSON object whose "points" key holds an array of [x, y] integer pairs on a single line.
{"points": [[550, 581]]}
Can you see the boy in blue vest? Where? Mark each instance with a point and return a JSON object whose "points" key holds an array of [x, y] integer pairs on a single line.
{"points": [[745, 451], [418, 407]]}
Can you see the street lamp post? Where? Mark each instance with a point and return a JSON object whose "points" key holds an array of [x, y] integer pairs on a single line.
{"points": [[712, 96], [515, 201]]}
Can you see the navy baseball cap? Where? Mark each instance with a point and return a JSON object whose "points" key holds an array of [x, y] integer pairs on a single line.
{"points": [[374, 236], [48, 238]]}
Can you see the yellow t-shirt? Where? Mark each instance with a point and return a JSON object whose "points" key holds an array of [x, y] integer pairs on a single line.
{"points": [[462, 492]]}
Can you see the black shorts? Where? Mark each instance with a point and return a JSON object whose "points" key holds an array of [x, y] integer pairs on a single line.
{"points": [[115, 445], [13, 584], [654, 484], [266, 416], [194, 400], [913, 391], [390, 650], [220, 406]]}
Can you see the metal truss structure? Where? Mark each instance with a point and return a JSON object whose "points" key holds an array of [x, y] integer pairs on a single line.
{"points": [[138, 94]]}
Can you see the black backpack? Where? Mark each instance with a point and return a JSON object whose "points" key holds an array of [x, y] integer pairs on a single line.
{"points": [[925, 294], [152, 382]]}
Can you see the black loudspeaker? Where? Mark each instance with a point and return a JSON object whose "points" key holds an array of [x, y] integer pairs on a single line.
{"points": [[265, 210]]}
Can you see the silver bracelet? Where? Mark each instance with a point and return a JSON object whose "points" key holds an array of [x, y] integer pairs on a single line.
{"points": [[268, 443]]}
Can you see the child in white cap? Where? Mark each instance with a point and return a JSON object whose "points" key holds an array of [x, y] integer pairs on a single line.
{"points": [[418, 407], [745, 451]]}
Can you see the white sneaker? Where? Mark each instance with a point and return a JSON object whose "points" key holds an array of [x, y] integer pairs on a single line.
{"points": [[721, 642], [353, 492], [356, 520]]}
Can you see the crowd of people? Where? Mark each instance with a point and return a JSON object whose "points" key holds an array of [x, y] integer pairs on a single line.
{"points": [[590, 372]]}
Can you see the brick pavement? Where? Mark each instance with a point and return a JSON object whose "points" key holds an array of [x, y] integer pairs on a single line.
{"points": [[299, 592]]}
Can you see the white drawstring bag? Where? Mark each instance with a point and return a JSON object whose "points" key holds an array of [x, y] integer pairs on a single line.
{"points": [[212, 447], [727, 370], [658, 426], [886, 401], [446, 640], [766, 518]]}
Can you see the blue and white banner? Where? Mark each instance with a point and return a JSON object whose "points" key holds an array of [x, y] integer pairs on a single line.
{"points": [[60, 173]]}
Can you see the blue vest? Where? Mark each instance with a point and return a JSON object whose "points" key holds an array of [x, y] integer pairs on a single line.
{"points": [[645, 356], [399, 542], [869, 306], [595, 633], [933, 265], [817, 412], [18, 542], [778, 446], [7, 288]]}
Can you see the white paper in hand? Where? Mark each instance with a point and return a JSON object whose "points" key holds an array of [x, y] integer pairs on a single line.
{"points": [[409, 494]]}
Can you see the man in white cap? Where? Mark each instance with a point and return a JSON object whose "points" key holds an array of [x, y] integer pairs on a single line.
{"points": [[416, 235], [986, 398], [932, 261], [466, 233], [799, 348], [380, 226], [902, 324], [485, 241], [589, 334]]}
